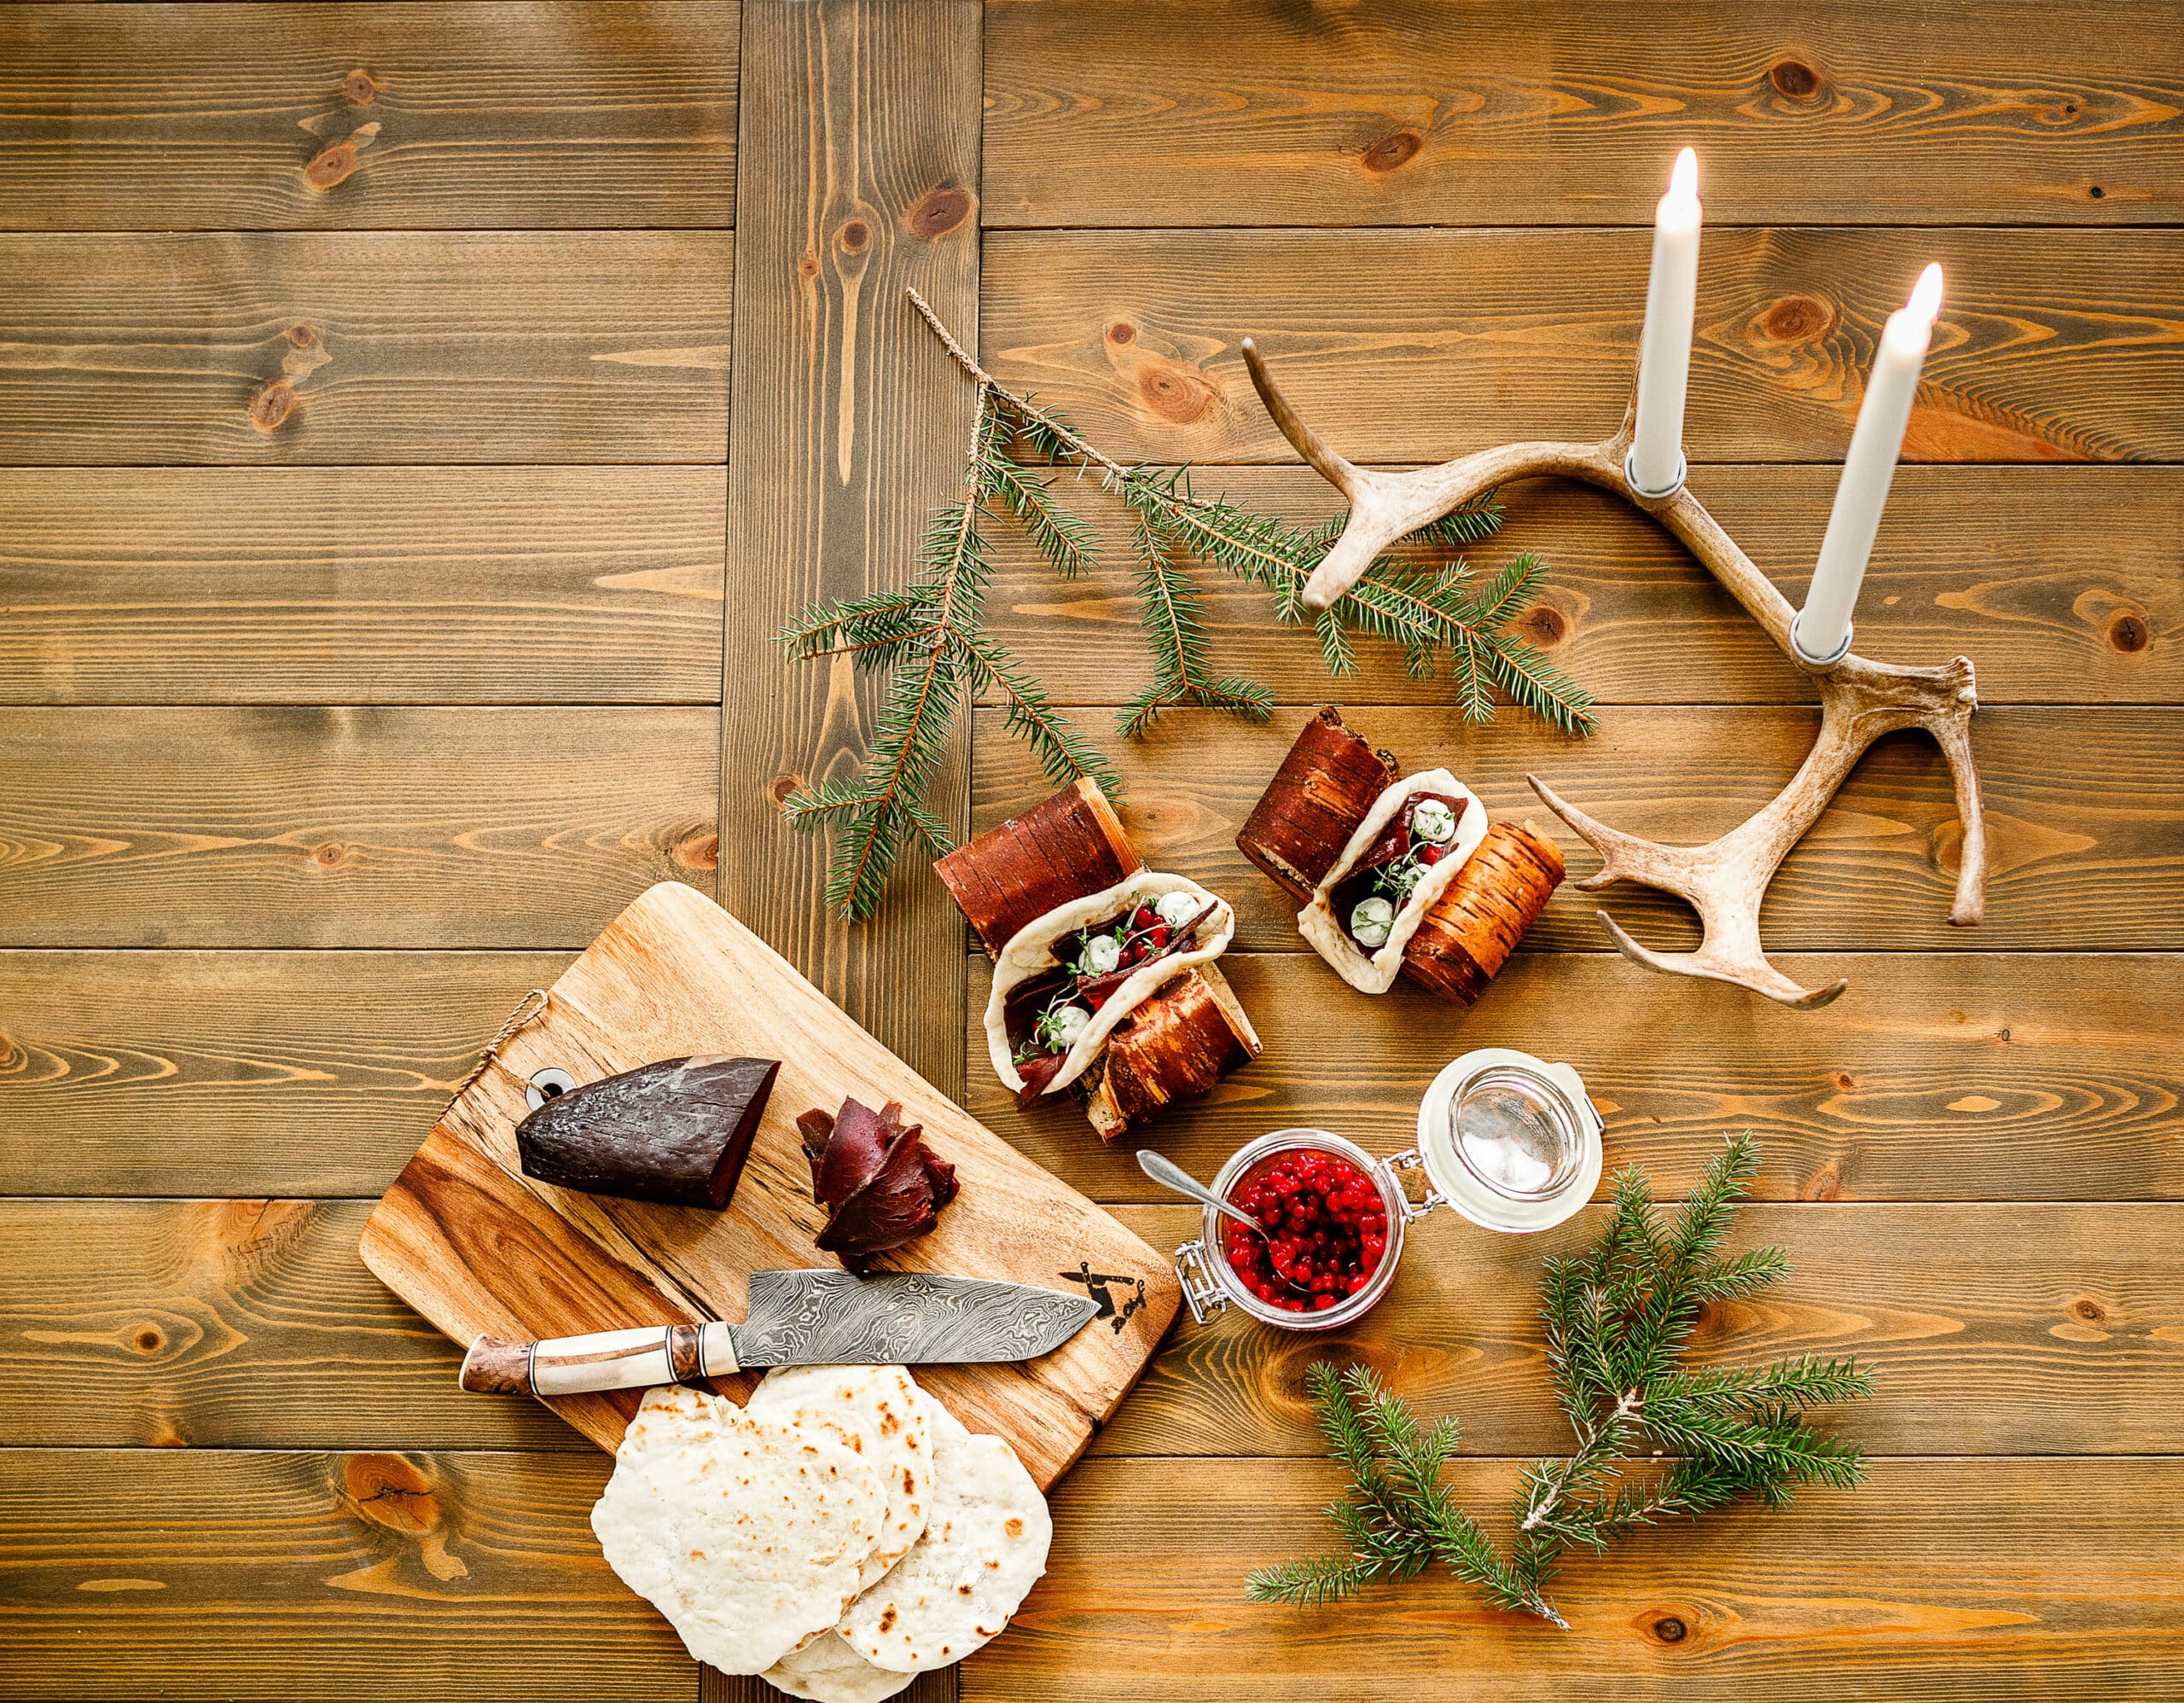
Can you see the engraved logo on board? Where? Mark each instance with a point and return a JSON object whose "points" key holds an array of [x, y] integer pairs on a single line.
{"points": [[1097, 1285]]}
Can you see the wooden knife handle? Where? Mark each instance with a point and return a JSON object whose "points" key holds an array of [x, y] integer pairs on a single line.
{"points": [[605, 1360]]}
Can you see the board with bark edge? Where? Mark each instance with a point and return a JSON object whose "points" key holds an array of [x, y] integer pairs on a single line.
{"points": [[475, 1246]]}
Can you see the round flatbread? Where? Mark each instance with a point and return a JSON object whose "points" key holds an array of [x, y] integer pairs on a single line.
{"points": [[984, 1547], [828, 1671], [876, 1412], [747, 1535]]}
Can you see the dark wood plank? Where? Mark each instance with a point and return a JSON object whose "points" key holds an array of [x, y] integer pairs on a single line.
{"points": [[2024, 1329], [861, 137], [346, 827], [238, 1072], [1984, 1579], [1401, 346], [226, 1324], [1998, 563], [365, 346], [1854, 112], [399, 115], [2028, 1329], [1969, 1077], [2083, 810], [860, 132], [223, 1573], [350, 585], [1949, 1578]]}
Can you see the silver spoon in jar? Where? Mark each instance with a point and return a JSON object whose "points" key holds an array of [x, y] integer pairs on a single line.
{"points": [[1170, 1175]]}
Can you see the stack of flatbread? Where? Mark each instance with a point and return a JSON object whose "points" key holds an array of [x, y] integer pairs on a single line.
{"points": [[841, 1534]]}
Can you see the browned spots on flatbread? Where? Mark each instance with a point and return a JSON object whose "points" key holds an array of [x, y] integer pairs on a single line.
{"points": [[889, 1425], [910, 1482], [887, 1620], [962, 1590], [1015, 1528]]}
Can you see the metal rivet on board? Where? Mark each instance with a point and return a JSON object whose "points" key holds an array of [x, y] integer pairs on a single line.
{"points": [[548, 1084]]}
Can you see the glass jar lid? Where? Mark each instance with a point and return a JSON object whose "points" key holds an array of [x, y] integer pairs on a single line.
{"points": [[1510, 1140], [1517, 1132]]}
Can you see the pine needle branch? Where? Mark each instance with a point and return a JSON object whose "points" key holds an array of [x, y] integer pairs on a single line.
{"points": [[1617, 1318], [930, 641]]}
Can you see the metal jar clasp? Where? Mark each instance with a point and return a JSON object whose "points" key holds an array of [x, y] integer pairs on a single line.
{"points": [[1201, 1294], [1411, 1159]]}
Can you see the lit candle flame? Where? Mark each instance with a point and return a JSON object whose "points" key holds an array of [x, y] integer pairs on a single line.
{"points": [[1683, 181], [1925, 303]]}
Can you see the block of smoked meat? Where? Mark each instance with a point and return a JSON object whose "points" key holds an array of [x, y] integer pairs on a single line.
{"points": [[1397, 875], [1104, 978]]}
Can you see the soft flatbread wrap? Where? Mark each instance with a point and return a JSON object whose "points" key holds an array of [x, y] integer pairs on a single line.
{"points": [[1373, 970], [1053, 943]]}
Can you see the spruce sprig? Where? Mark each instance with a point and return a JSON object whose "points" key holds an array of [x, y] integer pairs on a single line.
{"points": [[1618, 1319], [933, 639]]}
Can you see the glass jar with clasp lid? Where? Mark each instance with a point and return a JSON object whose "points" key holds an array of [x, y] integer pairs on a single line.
{"points": [[1510, 1142]]}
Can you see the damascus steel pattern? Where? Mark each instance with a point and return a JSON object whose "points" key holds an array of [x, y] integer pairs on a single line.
{"points": [[827, 1318]]}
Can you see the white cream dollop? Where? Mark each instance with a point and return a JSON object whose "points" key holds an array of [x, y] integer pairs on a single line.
{"points": [[1371, 921], [1433, 821], [1067, 1024], [1102, 952], [1176, 908]]}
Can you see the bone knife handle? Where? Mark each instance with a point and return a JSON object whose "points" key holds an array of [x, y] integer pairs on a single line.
{"points": [[605, 1360]]}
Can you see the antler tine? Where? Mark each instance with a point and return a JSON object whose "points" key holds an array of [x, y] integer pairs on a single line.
{"points": [[1331, 467], [1752, 971], [1952, 731], [1620, 853]]}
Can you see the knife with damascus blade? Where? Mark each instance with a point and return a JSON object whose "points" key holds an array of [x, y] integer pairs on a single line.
{"points": [[799, 1318]]}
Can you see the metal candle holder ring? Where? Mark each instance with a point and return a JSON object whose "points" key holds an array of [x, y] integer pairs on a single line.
{"points": [[1859, 700]]}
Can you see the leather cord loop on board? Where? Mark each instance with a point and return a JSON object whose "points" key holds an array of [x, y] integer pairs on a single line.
{"points": [[526, 1011]]}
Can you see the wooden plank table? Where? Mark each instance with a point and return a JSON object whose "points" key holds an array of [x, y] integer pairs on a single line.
{"points": [[414, 419]]}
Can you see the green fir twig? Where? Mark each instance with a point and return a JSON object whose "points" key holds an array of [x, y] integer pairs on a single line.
{"points": [[1618, 1319], [932, 640]]}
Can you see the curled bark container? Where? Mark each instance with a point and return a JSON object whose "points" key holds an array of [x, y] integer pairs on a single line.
{"points": [[1320, 795], [1185, 1037]]}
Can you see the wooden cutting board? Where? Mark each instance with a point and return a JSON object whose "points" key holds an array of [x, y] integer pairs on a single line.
{"points": [[475, 1246]]}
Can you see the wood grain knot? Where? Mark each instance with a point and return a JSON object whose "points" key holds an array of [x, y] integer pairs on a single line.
{"points": [[389, 1490], [270, 408], [1795, 79], [1178, 394], [1797, 319], [149, 1341], [329, 854], [1546, 627], [2096, 192], [807, 267], [1121, 332], [1670, 1630], [699, 851], [939, 212], [303, 336], [331, 166], [855, 234], [360, 87], [1824, 1184], [1397, 148], [782, 787], [2090, 1310], [2128, 632]]}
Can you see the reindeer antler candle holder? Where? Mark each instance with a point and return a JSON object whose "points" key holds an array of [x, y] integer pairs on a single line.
{"points": [[1725, 879]]}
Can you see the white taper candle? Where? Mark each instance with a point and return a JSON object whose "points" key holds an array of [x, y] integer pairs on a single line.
{"points": [[1821, 632], [1656, 464]]}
